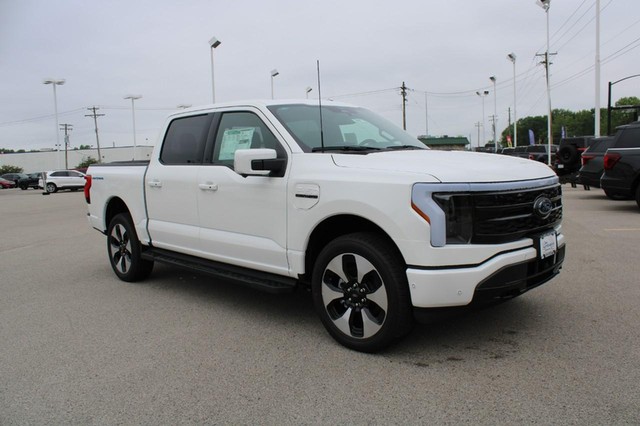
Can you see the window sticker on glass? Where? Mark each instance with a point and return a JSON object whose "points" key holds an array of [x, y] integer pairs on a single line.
{"points": [[233, 140]]}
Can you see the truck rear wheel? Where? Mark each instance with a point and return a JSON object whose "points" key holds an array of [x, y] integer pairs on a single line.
{"points": [[125, 254], [360, 292]]}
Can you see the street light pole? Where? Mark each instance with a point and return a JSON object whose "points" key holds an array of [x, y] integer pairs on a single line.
{"points": [[133, 114], [482, 96], [274, 72], [495, 114], [307, 90], [545, 4], [512, 58], [213, 43], [54, 83], [597, 108]]}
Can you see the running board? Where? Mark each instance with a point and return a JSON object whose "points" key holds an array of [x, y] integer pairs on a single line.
{"points": [[264, 281]]}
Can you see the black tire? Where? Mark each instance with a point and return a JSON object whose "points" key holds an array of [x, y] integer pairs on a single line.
{"points": [[360, 291], [568, 155], [51, 187], [125, 252], [24, 187]]}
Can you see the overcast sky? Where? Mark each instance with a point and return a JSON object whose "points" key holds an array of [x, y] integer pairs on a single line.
{"points": [[159, 49]]}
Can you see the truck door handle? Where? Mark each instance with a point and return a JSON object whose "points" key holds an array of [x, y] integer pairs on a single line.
{"points": [[208, 186], [155, 184]]}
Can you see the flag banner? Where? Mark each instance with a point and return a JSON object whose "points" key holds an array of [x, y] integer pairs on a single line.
{"points": [[509, 141], [532, 138]]}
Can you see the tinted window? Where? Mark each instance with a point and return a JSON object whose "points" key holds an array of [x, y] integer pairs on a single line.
{"points": [[58, 174], [601, 145], [242, 130], [185, 140], [630, 138]]}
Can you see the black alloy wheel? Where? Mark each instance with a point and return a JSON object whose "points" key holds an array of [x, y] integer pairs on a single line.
{"points": [[124, 250], [360, 292]]}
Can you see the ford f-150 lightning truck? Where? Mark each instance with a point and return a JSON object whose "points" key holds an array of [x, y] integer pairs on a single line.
{"points": [[282, 194]]}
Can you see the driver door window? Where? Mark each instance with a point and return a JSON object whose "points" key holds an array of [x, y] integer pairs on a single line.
{"points": [[242, 130]]}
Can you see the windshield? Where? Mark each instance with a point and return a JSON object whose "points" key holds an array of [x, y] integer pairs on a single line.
{"points": [[348, 129]]}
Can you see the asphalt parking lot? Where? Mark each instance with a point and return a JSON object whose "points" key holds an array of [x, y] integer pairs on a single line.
{"points": [[78, 346]]}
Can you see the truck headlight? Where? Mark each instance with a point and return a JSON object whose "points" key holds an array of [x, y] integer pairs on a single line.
{"points": [[458, 213], [449, 214]]}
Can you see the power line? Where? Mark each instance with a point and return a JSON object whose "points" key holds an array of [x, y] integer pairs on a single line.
{"points": [[42, 117]]}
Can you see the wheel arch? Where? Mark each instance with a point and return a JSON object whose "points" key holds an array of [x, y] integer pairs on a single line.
{"points": [[114, 207], [334, 227]]}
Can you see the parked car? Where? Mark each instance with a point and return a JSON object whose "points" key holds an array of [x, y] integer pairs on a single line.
{"points": [[520, 151], [540, 152], [621, 177], [31, 181], [63, 179], [6, 184], [506, 151], [14, 177], [593, 161]]}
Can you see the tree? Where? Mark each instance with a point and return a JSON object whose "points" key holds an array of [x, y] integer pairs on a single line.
{"points": [[87, 162], [580, 123], [10, 169]]}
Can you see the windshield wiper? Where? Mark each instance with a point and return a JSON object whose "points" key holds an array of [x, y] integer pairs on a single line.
{"points": [[399, 147], [352, 148]]}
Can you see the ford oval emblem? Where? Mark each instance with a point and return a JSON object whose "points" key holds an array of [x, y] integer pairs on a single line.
{"points": [[542, 207]]}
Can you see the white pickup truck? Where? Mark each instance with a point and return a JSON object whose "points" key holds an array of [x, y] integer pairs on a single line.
{"points": [[278, 195]]}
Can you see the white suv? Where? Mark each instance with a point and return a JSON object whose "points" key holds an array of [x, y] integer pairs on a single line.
{"points": [[63, 179]]}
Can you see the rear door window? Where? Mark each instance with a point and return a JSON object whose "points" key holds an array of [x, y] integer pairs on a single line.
{"points": [[185, 140]]}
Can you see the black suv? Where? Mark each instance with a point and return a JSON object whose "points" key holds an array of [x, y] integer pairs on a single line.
{"points": [[568, 161], [593, 161], [621, 177]]}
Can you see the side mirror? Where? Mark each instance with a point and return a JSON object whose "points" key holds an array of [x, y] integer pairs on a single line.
{"points": [[257, 162]]}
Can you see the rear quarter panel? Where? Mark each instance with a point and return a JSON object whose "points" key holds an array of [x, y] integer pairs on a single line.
{"points": [[124, 182]]}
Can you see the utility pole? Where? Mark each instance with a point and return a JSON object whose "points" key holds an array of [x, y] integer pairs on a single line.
{"points": [[403, 92], [67, 128], [546, 64], [95, 116], [478, 125]]}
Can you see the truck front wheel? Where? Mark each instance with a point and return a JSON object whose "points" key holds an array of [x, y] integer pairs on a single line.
{"points": [[360, 292], [124, 250]]}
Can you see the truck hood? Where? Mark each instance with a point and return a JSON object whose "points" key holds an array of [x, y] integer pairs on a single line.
{"points": [[449, 166]]}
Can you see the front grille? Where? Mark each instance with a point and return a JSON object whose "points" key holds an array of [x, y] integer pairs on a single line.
{"points": [[500, 217]]}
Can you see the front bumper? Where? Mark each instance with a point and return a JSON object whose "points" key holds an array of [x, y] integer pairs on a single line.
{"points": [[501, 277]]}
